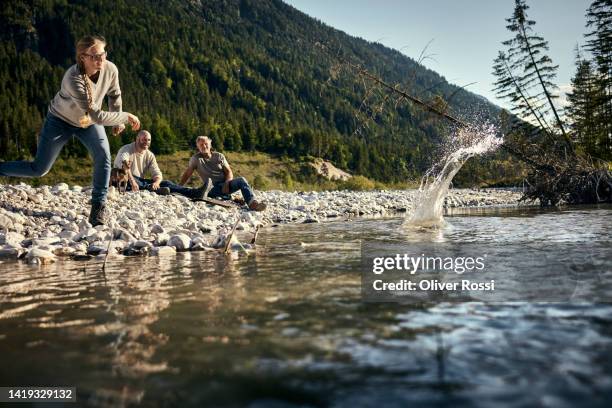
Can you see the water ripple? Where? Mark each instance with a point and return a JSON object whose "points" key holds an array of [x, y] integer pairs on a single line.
{"points": [[286, 324]]}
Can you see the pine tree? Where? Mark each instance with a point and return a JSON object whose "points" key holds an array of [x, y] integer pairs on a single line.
{"points": [[558, 171], [508, 86], [599, 44], [525, 73], [583, 109]]}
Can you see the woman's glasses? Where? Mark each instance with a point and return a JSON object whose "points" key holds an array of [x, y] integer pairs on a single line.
{"points": [[97, 57]]}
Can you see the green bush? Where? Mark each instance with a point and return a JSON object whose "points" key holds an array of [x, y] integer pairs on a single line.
{"points": [[358, 183], [286, 179], [261, 182]]}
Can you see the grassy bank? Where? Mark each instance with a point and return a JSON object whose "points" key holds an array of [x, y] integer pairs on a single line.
{"points": [[263, 171], [267, 172]]}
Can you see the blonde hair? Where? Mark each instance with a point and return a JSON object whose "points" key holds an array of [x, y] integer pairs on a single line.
{"points": [[82, 46]]}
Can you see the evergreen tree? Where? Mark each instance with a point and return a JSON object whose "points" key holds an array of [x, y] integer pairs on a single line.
{"points": [[558, 172], [599, 43], [525, 73], [589, 132]]}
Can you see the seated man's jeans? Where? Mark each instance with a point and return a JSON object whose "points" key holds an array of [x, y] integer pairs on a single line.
{"points": [[144, 184], [236, 184]]}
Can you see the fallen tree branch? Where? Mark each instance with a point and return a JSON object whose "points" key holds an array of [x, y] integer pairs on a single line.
{"points": [[395, 89]]}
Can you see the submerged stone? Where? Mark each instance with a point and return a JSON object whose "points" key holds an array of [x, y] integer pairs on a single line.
{"points": [[40, 256], [163, 251]]}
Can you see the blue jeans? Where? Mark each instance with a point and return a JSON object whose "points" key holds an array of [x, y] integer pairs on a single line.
{"points": [[236, 184], [174, 188], [54, 135]]}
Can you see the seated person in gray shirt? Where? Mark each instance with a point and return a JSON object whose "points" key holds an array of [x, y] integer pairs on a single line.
{"points": [[217, 175], [143, 161]]}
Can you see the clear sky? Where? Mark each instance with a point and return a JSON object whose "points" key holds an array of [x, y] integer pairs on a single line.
{"points": [[466, 34]]}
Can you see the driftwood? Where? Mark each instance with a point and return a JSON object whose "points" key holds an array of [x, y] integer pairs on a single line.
{"points": [[255, 234], [557, 176], [214, 201], [228, 238], [558, 173]]}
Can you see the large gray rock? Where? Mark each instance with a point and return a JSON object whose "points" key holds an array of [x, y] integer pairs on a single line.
{"points": [[10, 252], [38, 242], [141, 244], [181, 242], [96, 250], [157, 229], [5, 222], [11, 238]]}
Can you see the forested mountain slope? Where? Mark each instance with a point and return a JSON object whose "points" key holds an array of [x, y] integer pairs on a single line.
{"points": [[246, 72]]}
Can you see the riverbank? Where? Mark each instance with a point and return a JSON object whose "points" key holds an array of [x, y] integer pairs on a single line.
{"points": [[40, 224]]}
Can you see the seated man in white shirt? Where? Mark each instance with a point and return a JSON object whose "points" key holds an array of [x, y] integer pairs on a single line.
{"points": [[143, 161]]}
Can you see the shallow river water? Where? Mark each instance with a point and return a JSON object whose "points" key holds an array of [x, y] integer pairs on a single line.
{"points": [[286, 325]]}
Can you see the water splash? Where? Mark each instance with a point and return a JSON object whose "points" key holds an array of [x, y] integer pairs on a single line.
{"points": [[464, 143]]}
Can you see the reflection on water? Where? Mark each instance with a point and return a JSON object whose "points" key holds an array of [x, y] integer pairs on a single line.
{"points": [[285, 325]]}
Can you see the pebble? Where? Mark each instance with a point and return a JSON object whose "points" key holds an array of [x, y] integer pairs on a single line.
{"points": [[56, 218]]}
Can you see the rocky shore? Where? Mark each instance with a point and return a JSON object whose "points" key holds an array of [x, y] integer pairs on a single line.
{"points": [[40, 224]]}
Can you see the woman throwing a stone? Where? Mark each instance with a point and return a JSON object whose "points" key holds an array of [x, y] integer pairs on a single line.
{"points": [[76, 110]]}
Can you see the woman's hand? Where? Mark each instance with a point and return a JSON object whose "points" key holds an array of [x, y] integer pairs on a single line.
{"points": [[118, 129], [134, 186], [133, 121]]}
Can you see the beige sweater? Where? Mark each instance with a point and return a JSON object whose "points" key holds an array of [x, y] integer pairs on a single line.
{"points": [[142, 162], [70, 103]]}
